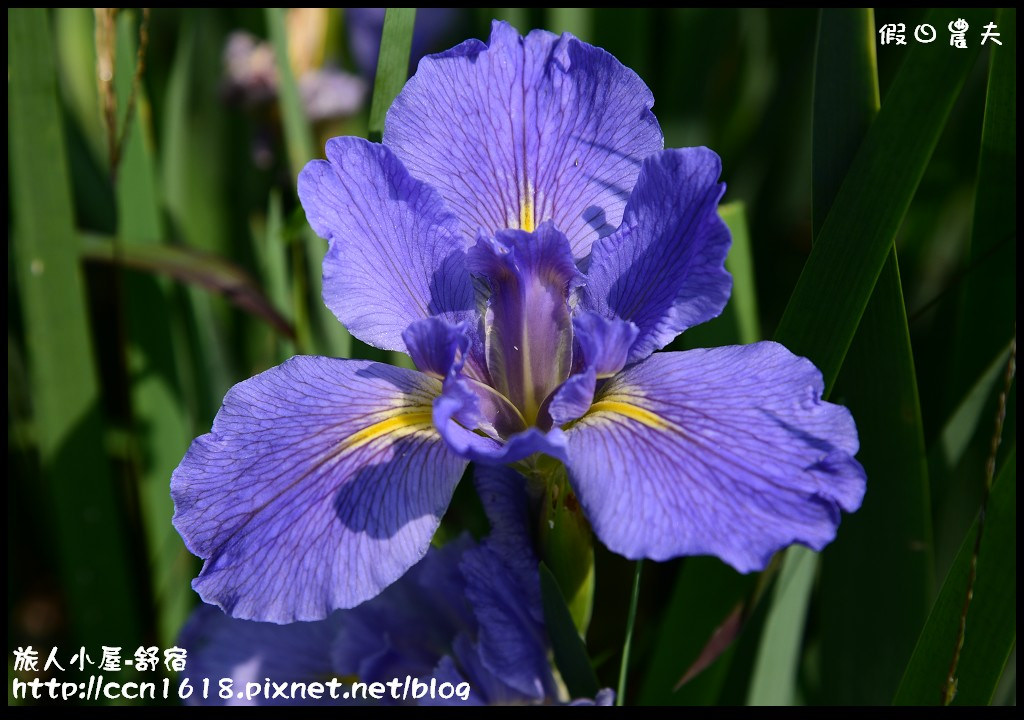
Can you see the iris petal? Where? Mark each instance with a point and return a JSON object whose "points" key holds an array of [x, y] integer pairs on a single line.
{"points": [[320, 484], [527, 326], [663, 269], [728, 452], [395, 252], [525, 130]]}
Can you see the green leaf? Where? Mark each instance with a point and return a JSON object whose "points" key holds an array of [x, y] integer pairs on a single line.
{"points": [[193, 267], [392, 65], [578, 21], [271, 251], [627, 643], [569, 650], [991, 625], [101, 597], [858, 233], [739, 322], [706, 591], [962, 425], [160, 425], [773, 681], [989, 313], [335, 340], [193, 190], [866, 635]]}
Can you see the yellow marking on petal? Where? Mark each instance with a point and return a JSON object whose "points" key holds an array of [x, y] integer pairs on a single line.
{"points": [[633, 412], [407, 423], [526, 219]]}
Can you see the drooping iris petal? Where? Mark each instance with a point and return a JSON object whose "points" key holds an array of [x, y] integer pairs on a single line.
{"points": [[321, 482], [404, 630], [468, 612], [663, 269], [512, 641], [525, 130], [728, 452], [395, 252], [220, 646], [528, 330]]}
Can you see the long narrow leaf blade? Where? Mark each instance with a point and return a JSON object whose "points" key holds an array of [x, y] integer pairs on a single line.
{"points": [[773, 681], [569, 650], [989, 312], [299, 139], [840, 273], [65, 393], [392, 65], [159, 421], [866, 635], [991, 629]]}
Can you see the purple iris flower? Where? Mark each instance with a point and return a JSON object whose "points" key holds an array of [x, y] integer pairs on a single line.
{"points": [[522, 234], [468, 615]]}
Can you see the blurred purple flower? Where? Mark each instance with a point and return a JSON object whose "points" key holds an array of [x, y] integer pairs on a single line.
{"points": [[251, 79], [524, 236], [467, 613]]}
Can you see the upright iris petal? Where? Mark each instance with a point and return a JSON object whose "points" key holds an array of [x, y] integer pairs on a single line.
{"points": [[525, 130], [528, 329], [522, 234]]}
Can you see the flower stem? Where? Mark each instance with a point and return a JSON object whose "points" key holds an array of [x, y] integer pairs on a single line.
{"points": [[620, 695]]}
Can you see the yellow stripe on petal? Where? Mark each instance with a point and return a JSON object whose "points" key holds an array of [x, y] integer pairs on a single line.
{"points": [[526, 219], [398, 426], [633, 412]]}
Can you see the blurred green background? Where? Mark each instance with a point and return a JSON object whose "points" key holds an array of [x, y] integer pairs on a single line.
{"points": [[157, 254]]}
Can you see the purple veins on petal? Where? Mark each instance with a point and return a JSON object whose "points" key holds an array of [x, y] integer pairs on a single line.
{"points": [[320, 484], [395, 253], [524, 130], [663, 269], [728, 452]]}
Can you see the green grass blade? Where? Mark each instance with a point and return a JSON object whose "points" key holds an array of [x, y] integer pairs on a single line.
{"points": [[774, 678], [991, 630], [519, 18], [569, 650], [578, 21], [705, 592], [963, 423], [620, 696], [392, 72], [740, 262], [161, 431], [989, 313], [272, 255], [101, 597], [739, 322], [76, 60], [840, 273], [867, 635], [196, 269], [299, 139], [392, 65], [192, 186]]}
